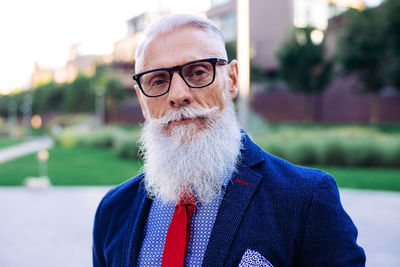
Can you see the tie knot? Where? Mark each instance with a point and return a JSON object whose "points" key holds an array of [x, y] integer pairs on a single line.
{"points": [[187, 199]]}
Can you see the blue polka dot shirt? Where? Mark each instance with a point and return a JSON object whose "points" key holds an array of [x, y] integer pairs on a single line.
{"points": [[157, 224]]}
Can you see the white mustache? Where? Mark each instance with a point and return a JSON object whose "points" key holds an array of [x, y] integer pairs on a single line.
{"points": [[184, 113]]}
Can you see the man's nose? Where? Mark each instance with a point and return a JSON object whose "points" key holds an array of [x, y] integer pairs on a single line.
{"points": [[179, 92]]}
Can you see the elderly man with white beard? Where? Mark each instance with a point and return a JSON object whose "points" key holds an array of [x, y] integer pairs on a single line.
{"points": [[208, 195]]}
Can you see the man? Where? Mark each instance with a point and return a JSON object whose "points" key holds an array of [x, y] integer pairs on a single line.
{"points": [[209, 196]]}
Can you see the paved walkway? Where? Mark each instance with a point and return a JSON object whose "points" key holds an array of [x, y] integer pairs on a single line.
{"points": [[377, 217], [52, 227], [47, 227], [13, 152]]}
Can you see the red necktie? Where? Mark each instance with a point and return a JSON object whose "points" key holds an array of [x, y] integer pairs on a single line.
{"points": [[177, 239]]}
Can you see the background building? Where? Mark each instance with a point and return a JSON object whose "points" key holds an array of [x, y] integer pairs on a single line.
{"points": [[271, 21], [77, 63]]}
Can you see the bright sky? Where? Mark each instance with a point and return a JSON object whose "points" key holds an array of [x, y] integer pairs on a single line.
{"points": [[372, 3], [42, 30]]}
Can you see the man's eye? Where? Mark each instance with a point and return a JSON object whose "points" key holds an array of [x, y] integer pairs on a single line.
{"points": [[158, 82], [198, 72]]}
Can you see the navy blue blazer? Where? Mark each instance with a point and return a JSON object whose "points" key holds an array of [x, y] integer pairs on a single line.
{"points": [[291, 215]]}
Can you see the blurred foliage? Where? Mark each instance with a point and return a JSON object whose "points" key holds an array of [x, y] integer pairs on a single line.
{"points": [[391, 17], [304, 67], [79, 95], [106, 82], [257, 72], [369, 46], [330, 146], [124, 143], [101, 139], [17, 99], [362, 48], [341, 146], [70, 119], [302, 63], [74, 97], [231, 50], [48, 97]]}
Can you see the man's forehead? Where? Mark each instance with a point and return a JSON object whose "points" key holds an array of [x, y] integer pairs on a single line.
{"points": [[180, 46], [172, 33]]}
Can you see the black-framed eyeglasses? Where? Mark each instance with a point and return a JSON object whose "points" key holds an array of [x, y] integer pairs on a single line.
{"points": [[196, 74]]}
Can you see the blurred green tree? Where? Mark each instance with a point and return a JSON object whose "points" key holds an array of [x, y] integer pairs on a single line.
{"points": [[257, 72], [48, 97], [231, 50], [362, 50], [4, 99], [115, 92], [77, 96], [17, 98], [303, 65], [80, 95], [107, 83], [391, 21], [106, 78]]}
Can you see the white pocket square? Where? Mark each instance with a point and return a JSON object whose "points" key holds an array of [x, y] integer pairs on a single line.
{"points": [[252, 258]]}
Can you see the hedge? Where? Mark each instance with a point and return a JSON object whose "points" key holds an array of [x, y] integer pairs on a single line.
{"points": [[345, 146], [351, 146], [124, 143]]}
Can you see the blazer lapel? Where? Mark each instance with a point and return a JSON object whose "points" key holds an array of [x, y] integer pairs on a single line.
{"points": [[135, 232], [234, 204]]}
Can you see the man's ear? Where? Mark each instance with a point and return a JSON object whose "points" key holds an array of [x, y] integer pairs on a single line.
{"points": [[233, 79], [142, 104]]}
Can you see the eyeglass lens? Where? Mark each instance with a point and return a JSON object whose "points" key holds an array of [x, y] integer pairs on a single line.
{"points": [[197, 74]]}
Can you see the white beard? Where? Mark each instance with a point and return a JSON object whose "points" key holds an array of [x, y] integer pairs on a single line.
{"points": [[189, 159]]}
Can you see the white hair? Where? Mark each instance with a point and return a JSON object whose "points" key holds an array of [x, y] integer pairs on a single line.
{"points": [[171, 22]]}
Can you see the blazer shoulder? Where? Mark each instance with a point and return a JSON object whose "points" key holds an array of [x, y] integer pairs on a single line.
{"points": [[289, 174], [122, 195], [277, 172]]}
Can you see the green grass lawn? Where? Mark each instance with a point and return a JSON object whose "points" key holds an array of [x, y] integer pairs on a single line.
{"points": [[93, 166], [365, 178], [6, 141], [385, 128], [73, 166]]}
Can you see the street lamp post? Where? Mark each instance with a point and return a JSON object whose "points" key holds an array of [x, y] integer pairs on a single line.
{"points": [[26, 109], [43, 156], [100, 105], [243, 45], [12, 109], [43, 180]]}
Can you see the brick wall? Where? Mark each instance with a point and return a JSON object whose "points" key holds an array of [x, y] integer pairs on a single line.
{"points": [[342, 102]]}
